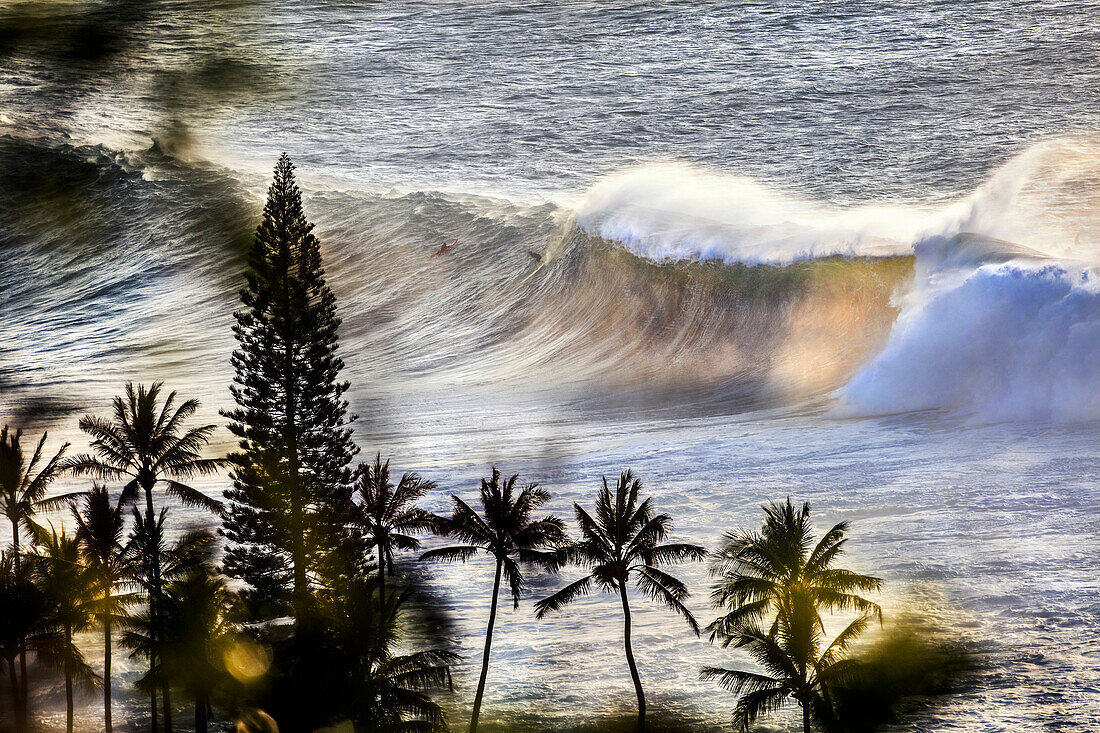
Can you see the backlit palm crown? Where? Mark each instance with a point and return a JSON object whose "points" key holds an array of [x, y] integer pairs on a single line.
{"points": [[390, 690], [626, 539], [760, 573], [147, 442], [100, 524], [504, 530], [190, 553], [67, 586], [794, 663], [23, 485], [62, 575], [387, 513]]}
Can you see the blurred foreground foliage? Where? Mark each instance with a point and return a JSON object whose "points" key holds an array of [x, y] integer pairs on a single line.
{"points": [[912, 663]]}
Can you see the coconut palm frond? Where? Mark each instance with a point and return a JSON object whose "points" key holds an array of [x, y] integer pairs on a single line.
{"points": [[564, 597], [193, 497], [458, 553], [675, 554], [662, 587], [757, 704]]}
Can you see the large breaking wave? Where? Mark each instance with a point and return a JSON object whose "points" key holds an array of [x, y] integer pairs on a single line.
{"points": [[1002, 319], [687, 287]]}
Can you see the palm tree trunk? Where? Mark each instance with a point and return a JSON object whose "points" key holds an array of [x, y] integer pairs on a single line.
{"points": [[381, 574], [805, 718], [488, 646], [167, 705], [630, 658], [68, 679], [200, 715], [107, 669], [21, 709], [16, 696], [381, 589], [154, 594], [23, 684]]}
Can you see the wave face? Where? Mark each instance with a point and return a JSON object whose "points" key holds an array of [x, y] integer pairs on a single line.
{"points": [[529, 298]]}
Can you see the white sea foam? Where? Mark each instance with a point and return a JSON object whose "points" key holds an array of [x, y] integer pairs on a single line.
{"points": [[996, 330], [1045, 198], [1010, 342]]}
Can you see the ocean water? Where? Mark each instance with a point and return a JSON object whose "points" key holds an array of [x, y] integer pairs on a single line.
{"points": [[846, 253]]}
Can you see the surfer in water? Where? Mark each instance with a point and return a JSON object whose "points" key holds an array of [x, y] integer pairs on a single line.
{"points": [[444, 249]]}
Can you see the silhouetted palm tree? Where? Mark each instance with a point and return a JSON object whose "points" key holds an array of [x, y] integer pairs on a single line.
{"points": [[796, 666], [386, 514], [780, 573], [388, 691], [757, 570], [146, 442], [23, 489], [67, 584], [506, 532], [198, 635], [622, 542], [144, 634], [100, 528]]}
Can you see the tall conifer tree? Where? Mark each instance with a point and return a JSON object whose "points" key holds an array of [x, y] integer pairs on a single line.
{"points": [[291, 476]]}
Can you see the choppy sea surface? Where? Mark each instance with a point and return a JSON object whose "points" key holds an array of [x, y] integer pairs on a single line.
{"points": [[843, 252]]}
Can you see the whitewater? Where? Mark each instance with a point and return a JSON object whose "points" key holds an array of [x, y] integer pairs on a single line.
{"points": [[849, 255]]}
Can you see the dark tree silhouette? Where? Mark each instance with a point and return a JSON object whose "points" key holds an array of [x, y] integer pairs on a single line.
{"points": [[779, 573], [146, 443], [796, 666], [145, 631], [23, 488], [291, 493], [756, 571], [624, 541], [506, 532], [387, 515], [198, 612], [101, 524], [24, 612], [67, 585], [384, 691]]}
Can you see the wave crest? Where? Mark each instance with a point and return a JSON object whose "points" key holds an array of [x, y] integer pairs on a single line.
{"points": [[674, 211]]}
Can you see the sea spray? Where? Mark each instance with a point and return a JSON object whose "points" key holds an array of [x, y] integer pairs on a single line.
{"points": [[1003, 321], [671, 211], [1010, 342]]}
